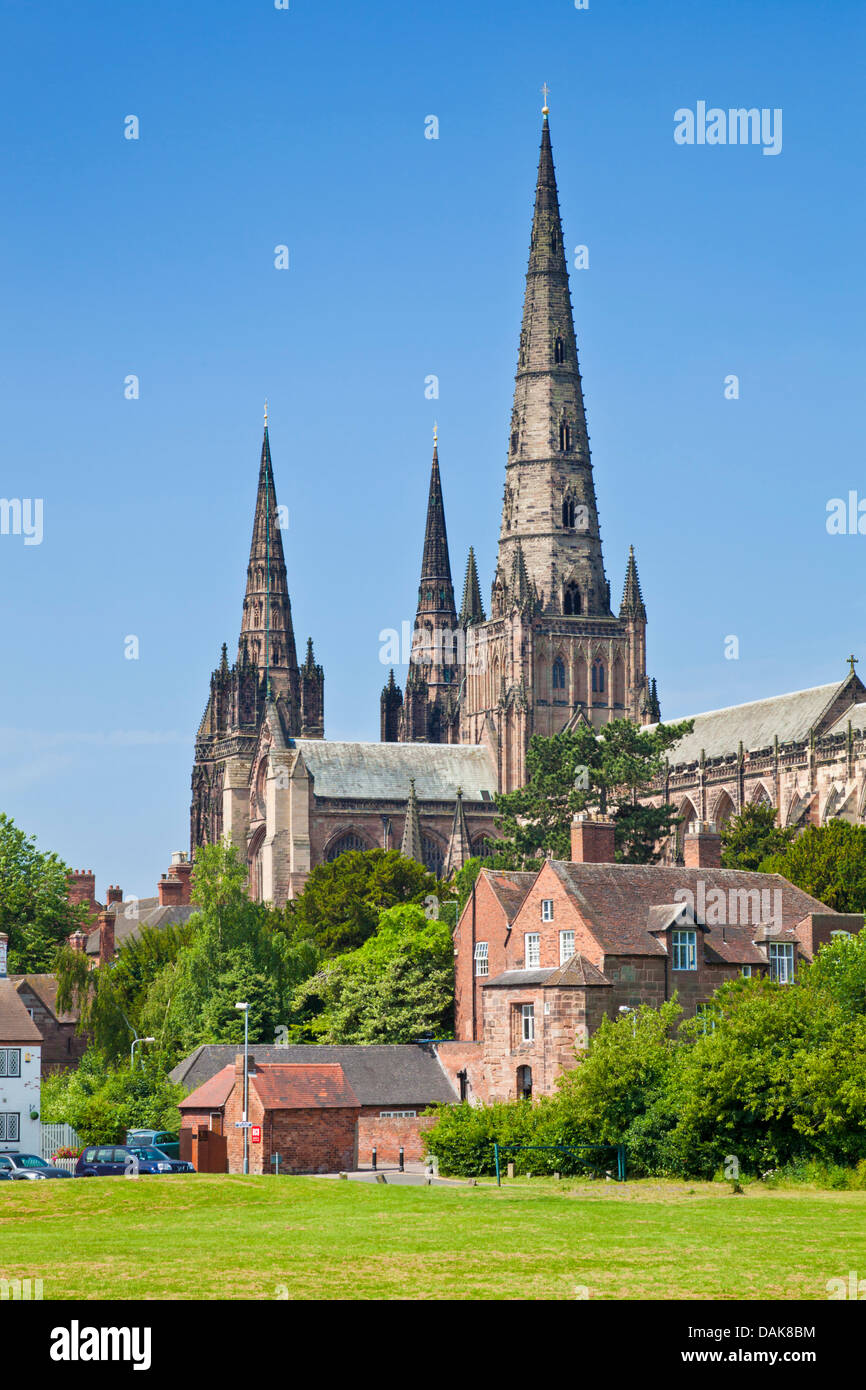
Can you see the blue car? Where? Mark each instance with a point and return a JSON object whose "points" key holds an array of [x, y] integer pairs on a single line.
{"points": [[117, 1160]]}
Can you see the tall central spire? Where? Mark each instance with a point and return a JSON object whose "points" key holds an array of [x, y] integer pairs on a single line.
{"points": [[267, 638], [549, 509]]}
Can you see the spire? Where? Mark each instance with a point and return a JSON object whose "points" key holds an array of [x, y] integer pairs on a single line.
{"points": [[435, 563], [472, 609], [411, 845], [522, 591], [459, 847], [632, 605], [434, 664], [549, 502], [266, 626]]}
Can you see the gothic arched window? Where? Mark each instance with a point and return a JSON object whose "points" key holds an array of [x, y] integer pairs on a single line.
{"points": [[345, 843], [571, 600], [559, 351], [558, 674], [564, 437], [434, 855], [568, 513], [598, 676]]}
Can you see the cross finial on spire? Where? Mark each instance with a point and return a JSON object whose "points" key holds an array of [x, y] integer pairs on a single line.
{"points": [[545, 110], [853, 661], [435, 432], [266, 414]]}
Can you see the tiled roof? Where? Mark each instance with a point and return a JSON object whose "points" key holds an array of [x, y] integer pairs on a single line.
{"points": [[149, 916], [616, 901], [213, 1093], [857, 716], [381, 771], [379, 1074], [756, 724], [577, 970], [303, 1086], [510, 889], [519, 977], [45, 988], [16, 1025]]}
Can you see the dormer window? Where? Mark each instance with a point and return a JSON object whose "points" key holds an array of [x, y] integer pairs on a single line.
{"points": [[684, 950]]}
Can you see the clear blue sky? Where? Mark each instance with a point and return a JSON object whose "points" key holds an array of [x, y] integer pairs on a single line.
{"points": [[306, 127]]}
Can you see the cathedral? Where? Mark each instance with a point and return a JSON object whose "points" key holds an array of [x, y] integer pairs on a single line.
{"points": [[551, 653]]}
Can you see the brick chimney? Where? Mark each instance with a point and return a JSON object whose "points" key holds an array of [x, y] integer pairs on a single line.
{"points": [[105, 922], [77, 941], [113, 894], [702, 846], [81, 888], [181, 868], [170, 891], [592, 840]]}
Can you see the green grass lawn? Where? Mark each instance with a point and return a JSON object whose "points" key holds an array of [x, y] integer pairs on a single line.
{"points": [[256, 1238]]}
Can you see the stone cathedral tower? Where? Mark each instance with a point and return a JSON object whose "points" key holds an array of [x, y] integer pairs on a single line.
{"points": [[264, 676], [552, 652]]}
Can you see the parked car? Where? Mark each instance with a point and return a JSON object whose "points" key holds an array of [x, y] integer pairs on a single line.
{"points": [[150, 1154], [16, 1165], [111, 1160], [159, 1138]]}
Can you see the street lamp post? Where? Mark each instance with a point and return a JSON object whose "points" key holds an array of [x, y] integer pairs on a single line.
{"points": [[246, 1012], [135, 1043]]}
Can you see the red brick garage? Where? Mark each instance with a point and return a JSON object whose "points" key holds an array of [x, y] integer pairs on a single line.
{"points": [[307, 1113]]}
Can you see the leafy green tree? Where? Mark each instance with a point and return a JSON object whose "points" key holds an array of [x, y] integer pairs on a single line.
{"points": [[839, 972], [396, 988], [101, 1101], [35, 912], [749, 838], [605, 771], [828, 861], [341, 902]]}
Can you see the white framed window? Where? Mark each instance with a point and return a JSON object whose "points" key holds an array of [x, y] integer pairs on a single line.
{"points": [[532, 950], [547, 909], [747, 971], [782, 961], [566, 946], [482, 962], [398, 1114], [684, 949], [527, 1020], [10, 1061], [10, 1127]]}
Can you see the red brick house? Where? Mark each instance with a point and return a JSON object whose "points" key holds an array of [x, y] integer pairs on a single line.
{"points": [[392, 1084], [591, 938]]}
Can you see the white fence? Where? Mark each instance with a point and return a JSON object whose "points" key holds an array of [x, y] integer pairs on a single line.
{"points": [[67, 1163], [56, 1137]]}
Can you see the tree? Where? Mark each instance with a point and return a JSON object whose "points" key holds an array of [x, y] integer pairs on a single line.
{"points": [[101, 1101], [605, 771], [397, 987], [749, 838], [839, 972], [828, 861], [340, 905], [35, 912]]}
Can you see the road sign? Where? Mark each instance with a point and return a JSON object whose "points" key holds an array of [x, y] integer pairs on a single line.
{"points": [[243, 1124], [257, 1134]]}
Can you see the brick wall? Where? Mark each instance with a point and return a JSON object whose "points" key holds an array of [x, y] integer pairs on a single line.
{"points": [[483, 919], [455, 1057], [566, 917], [308, 1141], [62, 1047], [388, 1134]]}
